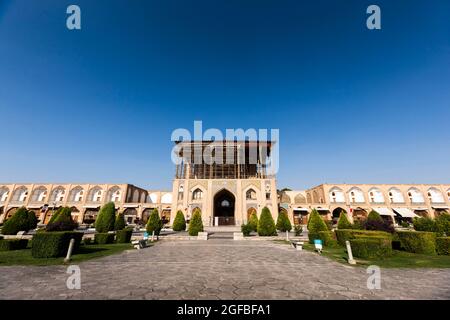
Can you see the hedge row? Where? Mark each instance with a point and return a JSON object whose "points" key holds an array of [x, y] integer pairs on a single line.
{"points": [[13, 244], [54, 244], [124, 236], [104, 238], [327, 237], [443, 245], [350, 234], [375, 247], [418, 241]]}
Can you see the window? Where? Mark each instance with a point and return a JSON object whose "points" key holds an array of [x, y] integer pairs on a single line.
{"points": [[23, 196], [372, 198], [79, 196], [42, 196], [352, 197], [250, 194], [391, 197], [197, 194], [225, 203], [267, 195], [116, 196], [3, 196], [180, 193]]}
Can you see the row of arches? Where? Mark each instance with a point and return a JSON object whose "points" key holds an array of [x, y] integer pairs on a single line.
{"points": [[58, 194], [394, 194]]}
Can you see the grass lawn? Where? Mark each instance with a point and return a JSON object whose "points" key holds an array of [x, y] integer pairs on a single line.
{"points": [[400, 259], [86, 252]]}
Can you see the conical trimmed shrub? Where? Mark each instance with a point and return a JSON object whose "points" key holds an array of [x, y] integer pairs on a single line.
{"points": [[32, 220], [283, 223], [179, 223], [18, 222], [64, 215], [374, 216], [266, 225], [315, 225], [196, 223], [55, 214], [119, 224], [343, 222], [253, 221], [106, 218], [154, 223]]}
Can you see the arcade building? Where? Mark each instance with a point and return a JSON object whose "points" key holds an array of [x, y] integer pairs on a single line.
{"points": [[226, 192]]}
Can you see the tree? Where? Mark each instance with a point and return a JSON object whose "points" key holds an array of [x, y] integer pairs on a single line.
{"points": [[32, 220], [154, 223], [343, 222], [315, 225], [106, 218], [119, 224], [196, 223], [179, 223], [20, 221], [55, 214], [266, 225], [443, 224], [375, 222], [253, 221], [283, 223], [62, 221], [374, 216]]}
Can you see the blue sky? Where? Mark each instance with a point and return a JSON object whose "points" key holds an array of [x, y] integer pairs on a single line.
{"points": [[100, 104]]}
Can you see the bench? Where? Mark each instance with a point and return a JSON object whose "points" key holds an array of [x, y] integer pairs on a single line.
{"points": [[139, 244]]}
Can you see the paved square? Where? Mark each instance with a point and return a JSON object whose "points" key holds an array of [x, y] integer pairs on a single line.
{"points": [[220, 269]]}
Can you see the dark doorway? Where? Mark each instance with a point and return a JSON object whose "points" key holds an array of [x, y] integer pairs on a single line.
{"points": [[224, 207]]}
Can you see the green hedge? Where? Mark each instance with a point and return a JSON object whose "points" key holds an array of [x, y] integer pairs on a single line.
{"points": [[327, 237], [54, 244], [13, 244], [375, 247], [104, 238], [179, 223], [22, 220], [266, 225], [124, 236], [343, 222], [196, 223], [120, 224], [443, 245], [349, 234], [246, 229], [106, 218], [253, 221], [315, 225], [283, 223], [418, 241]]}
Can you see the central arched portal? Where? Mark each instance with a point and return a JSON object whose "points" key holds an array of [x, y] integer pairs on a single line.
{"points": [[224, 203]]}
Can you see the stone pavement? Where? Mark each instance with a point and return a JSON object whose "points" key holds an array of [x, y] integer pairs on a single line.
{"points": [[220, 269]]}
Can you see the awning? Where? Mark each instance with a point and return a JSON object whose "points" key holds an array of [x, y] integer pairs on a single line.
{"points": [[322, 209], [405, 212], [384, 211], [130, 205], [420, 209], [300, 209], [440, 207], [34, 206], [91, 206]]}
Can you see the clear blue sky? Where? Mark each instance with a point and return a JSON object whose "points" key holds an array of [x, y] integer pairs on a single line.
{"points": [[352, 105]]}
